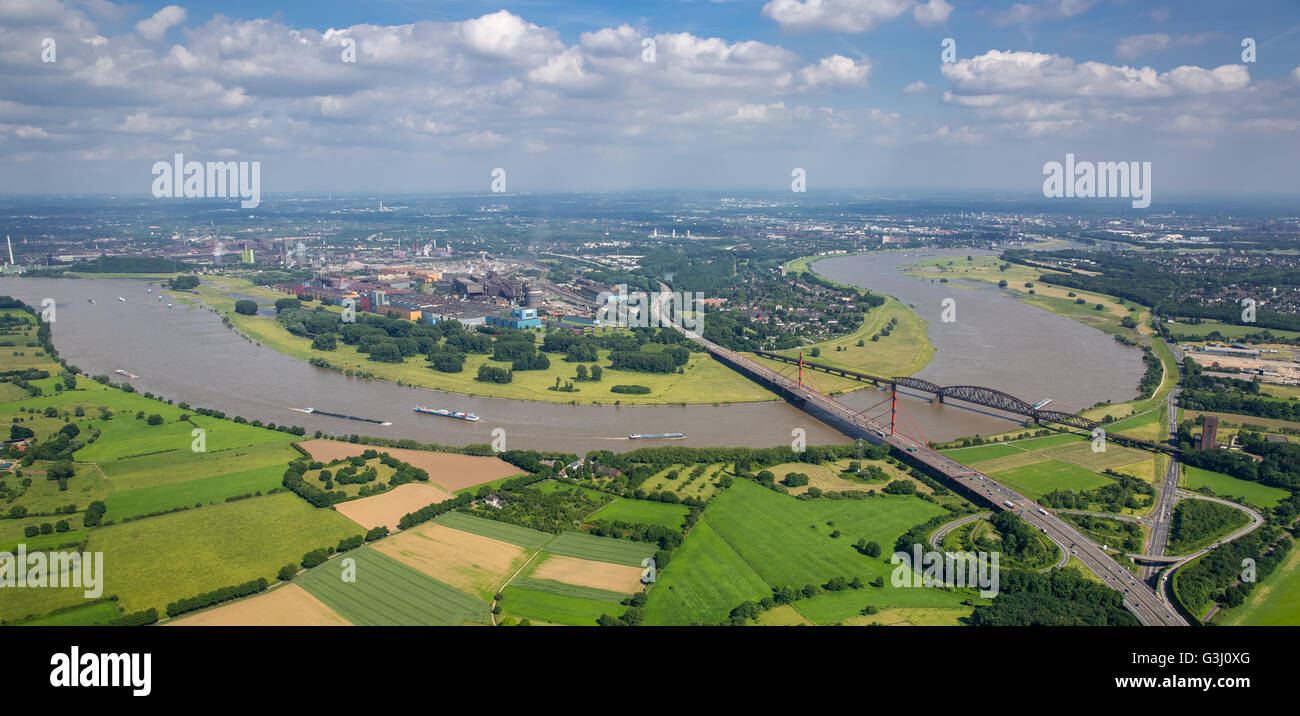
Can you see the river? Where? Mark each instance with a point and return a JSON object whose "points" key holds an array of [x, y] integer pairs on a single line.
{"points": [[186, 354], [996, 341]]}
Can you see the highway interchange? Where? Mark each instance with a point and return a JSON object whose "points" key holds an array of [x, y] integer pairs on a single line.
{"points": [[1149, 607]]}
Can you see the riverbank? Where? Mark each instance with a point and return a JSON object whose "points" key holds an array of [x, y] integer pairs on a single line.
{"points": [[704, 380], [905, 351]]}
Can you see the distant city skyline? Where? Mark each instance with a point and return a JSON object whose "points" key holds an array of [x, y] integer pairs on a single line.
{"points": [[587, 96]]}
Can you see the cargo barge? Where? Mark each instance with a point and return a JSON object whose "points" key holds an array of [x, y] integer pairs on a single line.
{"points": [[314, 411], [457, 414]]}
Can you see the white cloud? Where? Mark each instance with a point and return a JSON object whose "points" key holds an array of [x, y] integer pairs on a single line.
{"points": [[934, 12], [506, 35], [29, 132], [155, 27], [1029, 13], [1134, 46], [624, 40], [266, 90], [758, 112], [836, 70], [1041, 74], [835, 15], [563, 70]]}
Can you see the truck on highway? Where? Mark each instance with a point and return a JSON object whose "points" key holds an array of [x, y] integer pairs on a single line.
{"points": [[1042, 511], [1010, 505]]}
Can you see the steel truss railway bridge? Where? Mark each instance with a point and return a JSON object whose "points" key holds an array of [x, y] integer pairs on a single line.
{"points": [[975, 394]]}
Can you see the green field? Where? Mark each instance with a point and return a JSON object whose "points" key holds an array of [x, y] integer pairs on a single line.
{"points": [[601, 549], [148, 500], [752, 539], [555, 607], [833, 607], [704, 582], [1082, 455], [1227, 420], [154, 561], [1281, 391], [1047, 441], [389, 593], [1227, 330], [1038, 479], [787, 541], [571, 590], [125, 436], [980, 453], [514, 534], [175, 467], [1145, 426], [96, 614], [643, 512], [14, 536], [44, 495], [1273, 601], [1227, 486], [703, 487]]}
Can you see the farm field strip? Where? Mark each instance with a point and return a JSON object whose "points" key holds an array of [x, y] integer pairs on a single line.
{"points": [[389, 593], [643, 512], [601, 549], [463, 560], [504, 531]]}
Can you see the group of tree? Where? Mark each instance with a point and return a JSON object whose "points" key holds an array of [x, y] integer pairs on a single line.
{"points": [[207, 599], [1061, 597], [493, 374]]}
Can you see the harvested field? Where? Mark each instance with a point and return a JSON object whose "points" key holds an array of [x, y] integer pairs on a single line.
{"points": [[448, 470], [478, 565], [387, 508], [586, 573], [289, 605]]}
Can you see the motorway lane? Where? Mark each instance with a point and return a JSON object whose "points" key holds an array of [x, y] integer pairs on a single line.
{"points": [[937, 537], [1256, 521], [1161, 519]]}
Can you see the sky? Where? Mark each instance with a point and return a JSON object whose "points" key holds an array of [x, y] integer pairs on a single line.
{"points": [[416, 96]]}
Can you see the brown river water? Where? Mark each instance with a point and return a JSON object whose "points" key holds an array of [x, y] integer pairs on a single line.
{"points": [[186, 354]]}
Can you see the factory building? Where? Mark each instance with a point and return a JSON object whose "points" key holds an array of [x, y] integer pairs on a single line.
{"points": [[518, 318]]}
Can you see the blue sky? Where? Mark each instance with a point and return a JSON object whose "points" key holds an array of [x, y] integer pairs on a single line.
{"points": [[739, 94]]}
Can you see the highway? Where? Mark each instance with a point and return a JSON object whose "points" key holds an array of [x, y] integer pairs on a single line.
{"points": [[1256, 521], [1162, 516], [1140, 599], [936, 539]]}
